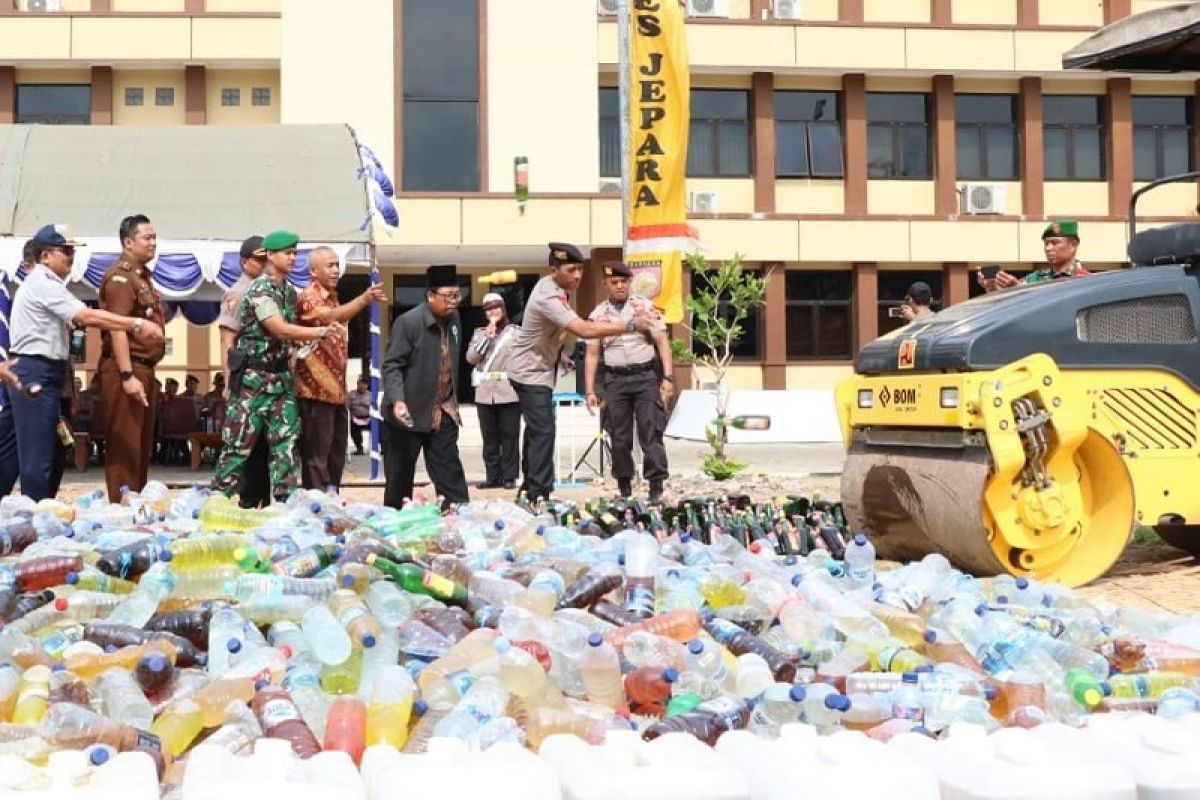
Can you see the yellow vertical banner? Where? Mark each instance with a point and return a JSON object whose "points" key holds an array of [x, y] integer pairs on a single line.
{"points": [[659, 114]]}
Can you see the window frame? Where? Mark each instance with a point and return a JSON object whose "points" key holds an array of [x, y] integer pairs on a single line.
{"points": [[613, 122], [717, 124], [817, 305], [1188, 128], [1071, 128], [231, 97], [164, 92], [84, 118], [981, 130], [896, 130], [134, 93], [753, 328], [257, 92], [807, 126]]}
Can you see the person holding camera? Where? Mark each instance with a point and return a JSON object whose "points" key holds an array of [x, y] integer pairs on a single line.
{"points": [[918, 302], [495, 398], [1060, 243]]}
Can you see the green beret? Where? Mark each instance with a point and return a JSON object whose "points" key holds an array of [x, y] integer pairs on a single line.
{"points": [[1063, 227], [280, 240]]}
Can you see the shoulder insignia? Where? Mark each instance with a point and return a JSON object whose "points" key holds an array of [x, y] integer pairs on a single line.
{"points": [[119, 279]]}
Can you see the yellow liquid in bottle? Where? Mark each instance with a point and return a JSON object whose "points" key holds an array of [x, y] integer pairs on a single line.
{"points": [[33, 696], [343, 678], [178, 727], [387, 723]]}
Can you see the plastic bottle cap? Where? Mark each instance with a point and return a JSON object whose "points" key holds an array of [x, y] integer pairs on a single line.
{"points": [[1106, 687], [234, 645], [110, 648], [860, 539], [372, 558], [61, 604], [797, 693], [261, 684], [195, 513], [924, 668], [922, 730], [909, 677], [98, 756], [69, 531], [285, 649], [124, 489], [420, 707], [837, 702], [541, 530], [510, 554], [165, 555], [58, 666], [685, 537], [1022, 583], [347, 580], [595, 640], [930, 636], [72, 578], [621, 559], [670, 675], [989, 693], [314, 506], [797, 578], [368, 640], [157, 662], [498, 524], [502, 644], [695, 647], [981, 609], [756, 546], [1002, 599]]}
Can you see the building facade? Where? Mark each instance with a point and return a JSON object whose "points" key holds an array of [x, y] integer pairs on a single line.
{"points": [[847, 147]]}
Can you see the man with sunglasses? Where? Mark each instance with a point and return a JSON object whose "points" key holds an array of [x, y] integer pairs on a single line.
{"points": [[254, 486], [127, 383], [420, 393], [42, 314]]}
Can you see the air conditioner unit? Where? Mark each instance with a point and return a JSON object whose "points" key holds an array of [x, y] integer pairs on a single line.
{"points": [[607, 6], [610, 186], [708, 8], [982, 198], [787, 9], [704, 202], [40, 5]]}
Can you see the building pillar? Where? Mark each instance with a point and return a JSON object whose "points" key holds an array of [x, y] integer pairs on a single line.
{"points": [[1116, 9], [1196, 139], [940, 13], [763, 103], [854, 103], [956, 282], [1027, 13], [1032, 155], [760, 9], [1118, 108], [866, 303], [102, 96], [945, 158], [195, 94], [775, 327], [850, 11], [101, 6], [193, 6], [198, 356], [8, 94]]}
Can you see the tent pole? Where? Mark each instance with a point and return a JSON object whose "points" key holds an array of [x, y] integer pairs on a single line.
{"points": [[375, 372]]}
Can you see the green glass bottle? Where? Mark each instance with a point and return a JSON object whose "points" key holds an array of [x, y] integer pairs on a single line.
{"points": [[418, 580]]}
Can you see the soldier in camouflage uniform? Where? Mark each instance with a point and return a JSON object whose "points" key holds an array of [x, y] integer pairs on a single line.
{"points": [[262, 392]]}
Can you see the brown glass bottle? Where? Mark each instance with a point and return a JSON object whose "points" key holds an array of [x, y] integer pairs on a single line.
{"points": [[280, 719], [589, 589]]}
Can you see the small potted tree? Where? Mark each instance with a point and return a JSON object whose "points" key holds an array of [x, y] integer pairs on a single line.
{"points": [[722, 297]]}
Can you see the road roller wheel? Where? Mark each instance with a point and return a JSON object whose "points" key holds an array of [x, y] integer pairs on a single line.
{"points": [[1100, 532], [1185, 537]]}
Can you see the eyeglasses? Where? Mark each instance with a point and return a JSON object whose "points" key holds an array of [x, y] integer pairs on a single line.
{"points": [[453, 297]]}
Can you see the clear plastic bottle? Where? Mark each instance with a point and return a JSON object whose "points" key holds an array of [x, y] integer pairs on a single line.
{"points": [[860, 562], [753, 676], [478, 647], [91, 580], [123, 699], [302, 681], [906, 700], [484, 702], [824, 706], [343, 678], [33, 696], [329, 641], [641, 566], [390, 707], [422, 732], [205, 552], [222, 514], [346, 728], [704, 657], [73, 727], [280, 718], [178, 727], [214, 697], [153, 588], [602, 674], [781, 704], [354, 616], [388, 603]]}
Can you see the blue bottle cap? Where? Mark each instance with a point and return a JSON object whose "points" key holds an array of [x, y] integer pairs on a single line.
{"points": [[837, 702], [989, 693], [498, 524], [541, 530], [930, 636], [1022, 583], [797, 693], [708, 616], [165, 555], [195, 513], [234, 645], [1106, 687], [685, 537], [909, 677], [860, 539], [595, 640], [368, 640], [501, 643], [58, 666], [110, 648], [124, 488], [921, 729], [924, 668], [202, 659], [98, 756], [510, 554], [260, 684], [695, 647], [673, 573], [621, 559], [1002, 599], [790, 561], [69, 531], [314, 506], [72, 578], [420, 707], [157, 662], [670, 675], [981, 609], [347, 580]]}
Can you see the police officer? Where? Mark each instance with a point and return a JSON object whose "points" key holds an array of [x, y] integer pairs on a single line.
{"points": [[1060, 243], [547, 319], [127, 383], [636, 386], [262, 391]]}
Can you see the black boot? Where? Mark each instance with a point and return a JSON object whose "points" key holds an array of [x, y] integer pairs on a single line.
{"points": [[625, 487], [656, 493]]}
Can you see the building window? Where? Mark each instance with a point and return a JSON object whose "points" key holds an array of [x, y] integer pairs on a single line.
{"points": [[164, 96], [719, 135], [898, 135], [819, 315], [610, 133], [747, 346], [54, 104], [808, 138], [134, 96], [1162, 137], [985, 130], [260, 96], [1074, 137], [441, 96], [893, 287], [231, 97]]}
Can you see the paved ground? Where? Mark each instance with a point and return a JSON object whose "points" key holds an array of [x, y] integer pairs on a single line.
{"points": [[1151, 574]]}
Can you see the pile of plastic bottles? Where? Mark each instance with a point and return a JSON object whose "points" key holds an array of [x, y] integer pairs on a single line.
{"points": [[169, 620]]}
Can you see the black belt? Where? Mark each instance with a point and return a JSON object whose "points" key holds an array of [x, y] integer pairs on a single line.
{"points": [[62, 362], [631, 369]]}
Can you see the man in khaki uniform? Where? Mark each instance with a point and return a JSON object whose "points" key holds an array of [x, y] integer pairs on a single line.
{"points": [[547, 319], [635, 386], [127, 383]]}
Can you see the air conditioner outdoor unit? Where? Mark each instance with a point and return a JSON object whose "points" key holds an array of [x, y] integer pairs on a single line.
{"points": [[610, 186], [704, 202], [982, 198], [708, 8], [40, 5], [787, 9], [607, 6]]}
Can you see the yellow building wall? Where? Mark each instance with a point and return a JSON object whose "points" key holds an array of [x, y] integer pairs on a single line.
{"points": [[1172, 200], [756, 240], [867, 48], [819, 10], [900, 197], [1076, 198], [36, 37], [1138, 6], [223, 6], [1160, 87], [33, 75], [1087, 85], [956, 50], [845, 240], [986, 85], [749, 46], [75, 5], [218, 38], [737, 378], [892, 83], [817, 377], [425, 221], [562, 143], [984, 12], [734, 195], [492, 221], [1075, 13], [896, 10], [739, 9], [975, 242], [140, 38], [356, 86], [137, 6], [606, 221], [1041, 51], [148, 113], [809, 82], [809, 196], [246, 113]]}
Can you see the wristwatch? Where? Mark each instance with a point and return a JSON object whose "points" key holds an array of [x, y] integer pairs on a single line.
{"points": [[125, 374], [629, 326], [137, 325]]}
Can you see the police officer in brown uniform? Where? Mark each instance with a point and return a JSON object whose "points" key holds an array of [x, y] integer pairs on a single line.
{"points": [[127, 383], [635, 385]]}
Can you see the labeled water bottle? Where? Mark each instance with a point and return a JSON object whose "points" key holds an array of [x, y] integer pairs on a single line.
{"points": [[906, 700], [329, 641], [860, 562]]}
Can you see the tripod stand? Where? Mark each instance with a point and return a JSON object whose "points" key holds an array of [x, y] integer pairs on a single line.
{"points": [[601, 444]]}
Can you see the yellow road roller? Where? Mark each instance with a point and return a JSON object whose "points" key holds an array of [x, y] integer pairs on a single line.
{"points": [[1031, 430]]}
